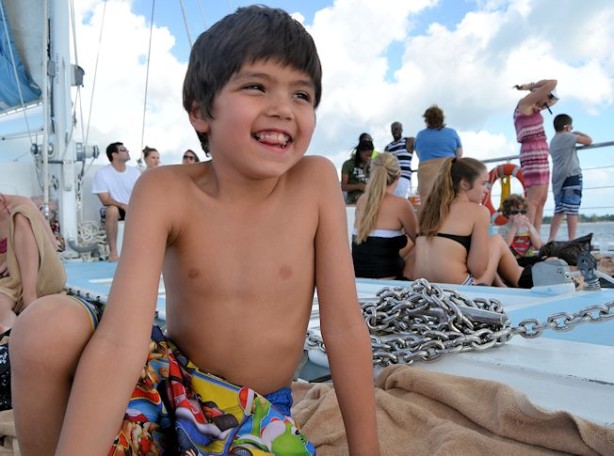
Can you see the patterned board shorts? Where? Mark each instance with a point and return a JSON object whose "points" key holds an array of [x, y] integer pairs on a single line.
{"points": [[569, 198], [177, 409]]}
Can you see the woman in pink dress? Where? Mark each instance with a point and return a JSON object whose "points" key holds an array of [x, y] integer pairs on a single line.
{"points": [[530, 133]]}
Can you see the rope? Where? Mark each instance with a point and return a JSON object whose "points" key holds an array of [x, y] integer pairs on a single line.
{"points": [[90, 232]]}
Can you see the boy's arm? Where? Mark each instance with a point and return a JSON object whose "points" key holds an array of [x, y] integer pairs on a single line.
{"points": [[507, 232], [114, 358], [583, 138], [344, 331]]}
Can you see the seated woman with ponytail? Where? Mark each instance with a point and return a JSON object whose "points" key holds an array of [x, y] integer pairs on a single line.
{"points": [[383, 223], [453, 244]]}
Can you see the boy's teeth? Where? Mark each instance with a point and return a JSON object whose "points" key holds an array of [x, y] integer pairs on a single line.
{"points": [[273, 138]]}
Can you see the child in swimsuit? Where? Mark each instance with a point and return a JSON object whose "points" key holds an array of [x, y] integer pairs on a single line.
{"points": [[242, 241], [519, 234]]}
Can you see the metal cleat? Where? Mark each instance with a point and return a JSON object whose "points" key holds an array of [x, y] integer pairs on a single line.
{"points": [[587, 264]]}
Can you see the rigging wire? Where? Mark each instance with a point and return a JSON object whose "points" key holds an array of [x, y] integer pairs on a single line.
{"points": [[153, 8], [185, 23], [84, 168], [89, 120], [202, 14]]}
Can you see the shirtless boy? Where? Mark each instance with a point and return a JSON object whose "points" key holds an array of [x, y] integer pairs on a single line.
{"points": [[242, 240]]}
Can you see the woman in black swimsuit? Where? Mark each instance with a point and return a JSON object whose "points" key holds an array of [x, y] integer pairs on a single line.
{"points": [[384, 223], [454, 244]]}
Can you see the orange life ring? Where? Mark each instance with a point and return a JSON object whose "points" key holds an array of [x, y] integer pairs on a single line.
{"points": [[498, 172]]}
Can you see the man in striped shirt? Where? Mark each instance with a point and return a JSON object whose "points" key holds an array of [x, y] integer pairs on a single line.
{"points": [[402, 148]]}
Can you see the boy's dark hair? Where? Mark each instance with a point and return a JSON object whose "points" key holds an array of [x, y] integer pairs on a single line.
{"points": [[561, 121], [113, 147], [514, 201], [250, 34]]}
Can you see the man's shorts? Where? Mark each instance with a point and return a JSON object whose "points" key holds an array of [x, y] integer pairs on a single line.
{"points": [[103, 214], [569, 199], [177, 408]]}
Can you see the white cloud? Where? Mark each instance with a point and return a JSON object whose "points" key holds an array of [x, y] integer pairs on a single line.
{"points": [[381, 63], [121, 82]]}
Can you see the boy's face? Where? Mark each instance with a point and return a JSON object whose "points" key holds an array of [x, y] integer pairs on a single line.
{"points": [[263, 119], [514, 211]]}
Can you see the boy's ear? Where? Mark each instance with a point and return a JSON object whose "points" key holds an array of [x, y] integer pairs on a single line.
{"points": [[196, 119]]}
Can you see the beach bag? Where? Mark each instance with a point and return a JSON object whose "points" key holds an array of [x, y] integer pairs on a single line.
{"points": [[567, 250], [5, 373]]}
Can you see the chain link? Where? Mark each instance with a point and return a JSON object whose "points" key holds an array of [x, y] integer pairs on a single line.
{"points": [[425, 322]]}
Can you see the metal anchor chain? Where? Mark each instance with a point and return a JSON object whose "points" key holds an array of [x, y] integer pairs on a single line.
{"points": [[425, 322]]}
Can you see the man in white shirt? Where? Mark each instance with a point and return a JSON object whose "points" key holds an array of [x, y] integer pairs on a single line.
{"points": [[113, 184]]}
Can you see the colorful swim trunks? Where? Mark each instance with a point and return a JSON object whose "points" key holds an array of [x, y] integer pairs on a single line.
{"points": [[177, 409]]}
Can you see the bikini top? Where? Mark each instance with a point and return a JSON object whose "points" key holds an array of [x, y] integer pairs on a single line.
{"points": [[465, 241]]}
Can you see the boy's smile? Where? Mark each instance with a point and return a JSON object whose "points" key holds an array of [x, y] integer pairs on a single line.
{"points": [[273, 138], [263, 119]]}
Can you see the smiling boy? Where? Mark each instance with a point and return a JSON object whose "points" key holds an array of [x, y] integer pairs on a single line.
{"points": [[242, 241]]}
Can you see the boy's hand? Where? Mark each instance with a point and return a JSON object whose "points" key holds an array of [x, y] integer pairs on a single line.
{"points": [[521, 221]]}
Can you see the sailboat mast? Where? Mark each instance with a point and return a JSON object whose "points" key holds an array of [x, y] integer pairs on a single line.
{"points": [[62, 125]]}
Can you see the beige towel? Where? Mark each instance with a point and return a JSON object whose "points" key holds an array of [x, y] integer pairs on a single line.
{"points": [[51, 274], [428, 413], [427, 172]]}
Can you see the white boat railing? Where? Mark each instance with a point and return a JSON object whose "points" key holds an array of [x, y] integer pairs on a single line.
{"points": [[586, 171]]}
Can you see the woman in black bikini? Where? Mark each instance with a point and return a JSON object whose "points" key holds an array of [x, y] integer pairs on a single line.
{"points": [[454, 244]]}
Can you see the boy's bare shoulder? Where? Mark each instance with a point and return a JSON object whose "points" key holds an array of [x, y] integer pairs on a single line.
{"points": [[170, 189], [161, 179], [314, 164]]}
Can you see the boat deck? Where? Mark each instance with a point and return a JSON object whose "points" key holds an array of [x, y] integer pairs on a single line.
{"points": [[571, 371]]}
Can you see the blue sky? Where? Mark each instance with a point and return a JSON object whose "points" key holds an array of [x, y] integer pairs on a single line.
{"points": [[383, 60]]}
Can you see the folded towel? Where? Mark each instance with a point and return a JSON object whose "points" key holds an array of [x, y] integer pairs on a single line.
{"points": [[427, 413]]}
